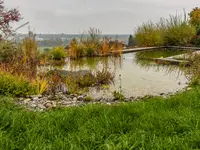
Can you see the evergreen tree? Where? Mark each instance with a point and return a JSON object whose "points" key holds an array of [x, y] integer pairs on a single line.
{"points": [[131, 41]]}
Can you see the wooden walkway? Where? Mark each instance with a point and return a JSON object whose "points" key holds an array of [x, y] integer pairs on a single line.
{"points": [[131, 50], [141, 49], [170, 61]]}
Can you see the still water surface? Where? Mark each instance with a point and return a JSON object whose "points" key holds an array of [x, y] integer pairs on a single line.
{"points": [[139, 75]]}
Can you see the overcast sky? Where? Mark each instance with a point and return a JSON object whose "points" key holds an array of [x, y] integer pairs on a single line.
{"points": [[110, 16]]}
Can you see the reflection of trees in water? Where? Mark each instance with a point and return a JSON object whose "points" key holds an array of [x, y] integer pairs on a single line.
{"points": [[96, 63], [159, 53], [144, 60]]}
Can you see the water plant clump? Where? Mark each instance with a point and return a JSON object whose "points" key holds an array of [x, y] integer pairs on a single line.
{"points": [[93, 45]]}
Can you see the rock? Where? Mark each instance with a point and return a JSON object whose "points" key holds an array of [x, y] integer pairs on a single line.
{"points": [[33, 105], [41, 106], [70, 96], [36, 96], [127, 100], [27, 100], [189, 88], [161, 94], [35, 99], [80, 98], [132, 98], [66, 103], [67, 99], [98, 99], [54, 104], [75, 99], [45, 98], [21, 99], [48, 105], [108, 103]]}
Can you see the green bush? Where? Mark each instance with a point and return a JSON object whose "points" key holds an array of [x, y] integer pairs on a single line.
{"points": [[149, 34], [15, 86], [179, 35], [196, 41], [174, 30], [90, 51], [7, 51], [57, 53]]}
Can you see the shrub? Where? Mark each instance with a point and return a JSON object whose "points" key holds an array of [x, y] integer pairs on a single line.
{"points": [[15, 86], [104, 77], [88, 99], [196, 41], [90, 51], [7, 51], [174, 30], [179, 35], [118, 95], [149, 34], [57, 53]]}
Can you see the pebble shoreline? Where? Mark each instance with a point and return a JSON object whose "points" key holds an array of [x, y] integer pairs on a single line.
{"points": [[46, 102]]}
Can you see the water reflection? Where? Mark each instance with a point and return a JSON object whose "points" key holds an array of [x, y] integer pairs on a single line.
{"points": [[140, 75], [96, 63]]}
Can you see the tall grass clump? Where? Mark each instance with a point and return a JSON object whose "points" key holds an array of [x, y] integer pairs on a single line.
{"points": [[15, 85], [57, 53], [24, 58], [149, 34], [91, 44], [172, 31], [178, 31]]}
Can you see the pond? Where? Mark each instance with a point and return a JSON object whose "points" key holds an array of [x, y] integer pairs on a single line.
{"points": [[139, 75]]}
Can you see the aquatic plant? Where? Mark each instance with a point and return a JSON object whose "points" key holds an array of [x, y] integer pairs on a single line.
{"points": [[57, 53], [104, 77], [91, 44]]}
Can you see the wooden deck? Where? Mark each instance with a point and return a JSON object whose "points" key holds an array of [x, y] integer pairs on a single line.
{"points": [[171, 61], [141, 49], [131, 50]]}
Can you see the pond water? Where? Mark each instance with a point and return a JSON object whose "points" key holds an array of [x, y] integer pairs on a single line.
{"points": [[139, 75]]}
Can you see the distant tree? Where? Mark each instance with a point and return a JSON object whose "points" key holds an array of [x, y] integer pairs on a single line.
{"points": [[7, 16], [131, 41], [195, 18]]}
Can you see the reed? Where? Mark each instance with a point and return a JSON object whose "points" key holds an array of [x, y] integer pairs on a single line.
{"points": [[175, 30]]}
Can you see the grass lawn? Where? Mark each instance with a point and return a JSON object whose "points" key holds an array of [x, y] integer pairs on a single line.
{"points": [[151, 124]]}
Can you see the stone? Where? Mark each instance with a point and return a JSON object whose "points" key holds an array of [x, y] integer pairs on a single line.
{"points": [[35, 99], [108, 103], [41, 106], [21, 99], [127, 100], [48, 105], [27, 100], [189, 88], [75, 99], [33, 105], [80, 98], [162, 94], [66, 103], [36, 96], [98, 99], [53, 104]]}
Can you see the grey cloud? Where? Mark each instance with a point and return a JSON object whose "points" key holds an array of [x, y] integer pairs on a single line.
{"points": [[111, 16]]}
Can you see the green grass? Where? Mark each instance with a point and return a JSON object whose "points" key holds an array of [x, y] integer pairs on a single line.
{"points": [[150, 124]]}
